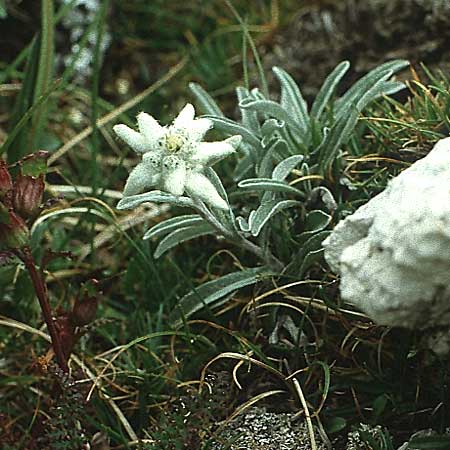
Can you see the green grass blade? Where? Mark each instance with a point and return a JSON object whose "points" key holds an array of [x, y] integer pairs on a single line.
{"points": [[44, 73], [25, 118], [16, 147]]}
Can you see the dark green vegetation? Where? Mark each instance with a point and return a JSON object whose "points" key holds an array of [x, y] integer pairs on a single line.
{"points": [[140, 372]]}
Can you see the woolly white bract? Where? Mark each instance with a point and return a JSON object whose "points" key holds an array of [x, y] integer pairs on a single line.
{"points": [[174, 157]]}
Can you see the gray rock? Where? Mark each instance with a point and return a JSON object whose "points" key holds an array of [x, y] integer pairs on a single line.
{"points": [[393, 253]]}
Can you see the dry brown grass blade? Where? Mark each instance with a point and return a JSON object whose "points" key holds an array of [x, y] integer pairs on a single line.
{"points": [[248, 404], [139, 215], [299, 391]]}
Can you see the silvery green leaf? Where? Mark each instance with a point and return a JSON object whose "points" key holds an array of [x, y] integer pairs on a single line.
{"points": [[182, 235], [317, 220], [309, 259], [133, 201], [376, 91], [327, 89], [292, 99], [325, 195], [167, 226], [271, 153], [210, 293], [250, 218], [339, 134], [257, 94], [392, 87], [207, 103], [216, 181], [271, 126], [266, 211], [231, 127], [243, 167], [272, 109], [268, 184], [249, 118], [352, 96], [226, 217], [285, 167], [243, 224], [311, 248]]}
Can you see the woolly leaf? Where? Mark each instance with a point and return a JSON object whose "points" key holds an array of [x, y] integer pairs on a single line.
{"points": [[231, 127], [210, 293], [284, 168], [182, 235], [266, 211], [171, 224], [292, 99], [133, 201], [207, 103], [268, 184], [327, 89]]}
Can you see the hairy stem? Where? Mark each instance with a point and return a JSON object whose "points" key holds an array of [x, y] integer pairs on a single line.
{"points": [[42, 294], [266, 256]]}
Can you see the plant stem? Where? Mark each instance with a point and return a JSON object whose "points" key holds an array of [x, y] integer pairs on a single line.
{"points": [[42, 294], [266, 256]]}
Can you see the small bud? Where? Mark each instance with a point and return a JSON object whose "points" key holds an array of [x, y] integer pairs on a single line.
{"points": [[27, 195], [85, 307], [84, 311], [14, 233], [5, 180]]}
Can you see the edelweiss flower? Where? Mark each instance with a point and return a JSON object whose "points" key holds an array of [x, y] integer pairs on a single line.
{"points": [[174, 157]]}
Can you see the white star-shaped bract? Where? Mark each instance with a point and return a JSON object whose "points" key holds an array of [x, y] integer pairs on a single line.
{"points": [[174, 157]]}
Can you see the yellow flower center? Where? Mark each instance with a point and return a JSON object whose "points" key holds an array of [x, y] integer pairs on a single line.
{"points": [[174, 142]]}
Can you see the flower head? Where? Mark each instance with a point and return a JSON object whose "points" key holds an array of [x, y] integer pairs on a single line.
{"points": [[174, 157]]}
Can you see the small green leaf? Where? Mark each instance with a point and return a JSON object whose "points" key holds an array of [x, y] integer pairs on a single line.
{"points": [[379, 406], [212, 292], [35, 164], [335, 424], [317, 220], [182, 235]]}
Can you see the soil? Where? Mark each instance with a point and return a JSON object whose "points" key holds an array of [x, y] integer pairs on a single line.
{"points": [[367, 33]]}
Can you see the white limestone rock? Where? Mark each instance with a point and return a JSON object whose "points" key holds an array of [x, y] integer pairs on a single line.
{"points": [[393, 253]]}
